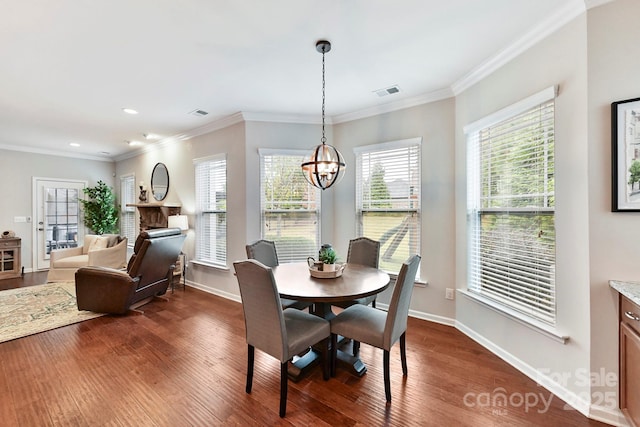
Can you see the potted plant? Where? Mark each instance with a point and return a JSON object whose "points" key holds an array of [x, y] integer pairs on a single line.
{"points": [[100, 212], [328, 257]]}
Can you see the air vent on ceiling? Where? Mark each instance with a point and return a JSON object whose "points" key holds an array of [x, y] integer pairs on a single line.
{"points": [[387, 91], [198, 112]]}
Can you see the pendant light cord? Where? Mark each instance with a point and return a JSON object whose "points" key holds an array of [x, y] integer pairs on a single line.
{"points": [[324, 139]]}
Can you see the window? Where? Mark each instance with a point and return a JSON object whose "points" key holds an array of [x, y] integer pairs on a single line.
{"points": [[388, 199], [290, 206], [128, 213], [211, 210], [510, 207]]}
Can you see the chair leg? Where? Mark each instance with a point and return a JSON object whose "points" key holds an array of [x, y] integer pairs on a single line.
{"points": [[356, 348], [326, 359], [403, 352], [334, 353], [387, 380], [250, 356], [284, 382]]}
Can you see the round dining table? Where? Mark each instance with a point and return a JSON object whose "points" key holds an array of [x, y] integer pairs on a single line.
{"points": [[294, 281]]}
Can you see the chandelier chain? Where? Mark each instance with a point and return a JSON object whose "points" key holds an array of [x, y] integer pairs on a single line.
{"points": [[324, 139]]}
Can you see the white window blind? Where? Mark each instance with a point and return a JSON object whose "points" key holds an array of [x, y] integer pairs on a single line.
{"points": [[211, 210], [128, 213], [290, 206], [388, 199], [510, 166]]}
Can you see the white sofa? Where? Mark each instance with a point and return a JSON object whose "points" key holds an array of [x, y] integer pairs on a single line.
{"points": [[107, 250]]}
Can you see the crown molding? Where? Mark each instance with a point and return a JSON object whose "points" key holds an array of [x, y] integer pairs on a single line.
{"points": [[536, 34], [595, 3], [58, 153], [285, 118], [394, 106]]}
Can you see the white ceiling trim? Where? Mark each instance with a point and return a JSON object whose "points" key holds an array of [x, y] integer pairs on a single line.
{"points": [[58, 153], [285, 118], [595, 3], [394, 106], [539, 32]]}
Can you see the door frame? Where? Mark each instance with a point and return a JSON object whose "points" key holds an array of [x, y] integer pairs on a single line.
{"points": [[37, 214]]}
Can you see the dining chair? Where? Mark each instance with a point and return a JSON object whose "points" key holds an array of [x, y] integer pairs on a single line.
{"points": [[376, 327], [277, 332], [265, 252], [364, 251]]}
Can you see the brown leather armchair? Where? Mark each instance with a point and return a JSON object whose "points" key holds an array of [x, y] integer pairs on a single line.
{"points": [[149, 274]]}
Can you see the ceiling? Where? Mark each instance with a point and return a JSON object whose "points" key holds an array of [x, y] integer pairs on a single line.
{"points": [[69, 67]]}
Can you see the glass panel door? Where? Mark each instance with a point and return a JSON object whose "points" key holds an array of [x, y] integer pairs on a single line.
{"points": [[58, 222]]}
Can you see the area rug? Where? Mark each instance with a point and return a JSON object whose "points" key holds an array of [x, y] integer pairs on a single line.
{"points": [[30, 310]]}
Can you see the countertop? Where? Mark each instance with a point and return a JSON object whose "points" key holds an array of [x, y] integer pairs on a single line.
{"points": [[630, 290]]}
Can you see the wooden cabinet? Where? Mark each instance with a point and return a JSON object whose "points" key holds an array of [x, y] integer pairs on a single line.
{"points": [[10, 264], [630, 360]]}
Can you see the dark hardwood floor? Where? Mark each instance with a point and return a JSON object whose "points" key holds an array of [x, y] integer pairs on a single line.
{"points": [[183, 363]]}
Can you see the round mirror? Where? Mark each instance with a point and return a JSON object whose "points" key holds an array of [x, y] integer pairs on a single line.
{"points": [[159, 181]]}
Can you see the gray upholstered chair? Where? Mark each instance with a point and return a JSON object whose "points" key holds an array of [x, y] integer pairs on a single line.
{"points": [[277, 332], [265, 252], [364, 251], [378, 328]]}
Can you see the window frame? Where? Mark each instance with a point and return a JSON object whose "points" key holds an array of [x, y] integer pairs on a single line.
{"points": [[414, 196], [542, 308], [288, 253], [217, 258], [128, 213]]}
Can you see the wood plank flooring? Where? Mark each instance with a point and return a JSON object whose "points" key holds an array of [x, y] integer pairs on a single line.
{"points": [[183, 363]]}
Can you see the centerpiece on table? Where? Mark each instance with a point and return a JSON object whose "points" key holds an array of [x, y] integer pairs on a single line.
{"points": [[328, 257]]}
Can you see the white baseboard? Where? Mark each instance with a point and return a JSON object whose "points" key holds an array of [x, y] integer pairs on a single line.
{"points": [[214, 291], [596, 412]]}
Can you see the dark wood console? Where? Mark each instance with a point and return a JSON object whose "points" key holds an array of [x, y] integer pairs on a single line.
{"points": [[155, 215]]}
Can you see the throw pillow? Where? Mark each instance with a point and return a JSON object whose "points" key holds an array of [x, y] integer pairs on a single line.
{"points": [[100, 242]]}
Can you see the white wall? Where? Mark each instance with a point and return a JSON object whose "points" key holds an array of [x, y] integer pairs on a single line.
{"points": [[614, 238], [178, 156], [289, 136], [433, 122], [559, 59], [17, 169]]}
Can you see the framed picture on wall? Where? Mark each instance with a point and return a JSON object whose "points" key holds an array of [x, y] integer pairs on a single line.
{"points": [[625, 139]]}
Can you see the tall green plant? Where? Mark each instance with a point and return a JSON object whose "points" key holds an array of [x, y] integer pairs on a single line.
{"points": [[100, 212]]}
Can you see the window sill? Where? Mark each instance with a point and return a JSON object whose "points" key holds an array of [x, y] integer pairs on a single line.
{"points": [[220, 267], [536, 325], [418, 282]]}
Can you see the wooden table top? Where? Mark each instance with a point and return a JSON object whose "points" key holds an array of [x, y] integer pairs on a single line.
{"points": [[357, 281]]}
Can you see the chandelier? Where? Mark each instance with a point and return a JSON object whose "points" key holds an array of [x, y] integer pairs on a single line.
{"points": [[325, 166]]}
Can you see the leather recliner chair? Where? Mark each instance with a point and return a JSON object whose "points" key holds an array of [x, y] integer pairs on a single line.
{"points": [[149, 274]]}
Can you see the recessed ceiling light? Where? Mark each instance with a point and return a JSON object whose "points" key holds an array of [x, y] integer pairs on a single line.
{"points": [[74, 144], [150, 136], [129, 111], [134, 143]]}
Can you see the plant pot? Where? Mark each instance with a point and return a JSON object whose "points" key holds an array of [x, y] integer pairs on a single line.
{"points": [[329, 267]]}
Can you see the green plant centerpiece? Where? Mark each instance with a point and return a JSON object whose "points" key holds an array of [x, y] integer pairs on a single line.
{"points": [[100, 212], [328, 257]]}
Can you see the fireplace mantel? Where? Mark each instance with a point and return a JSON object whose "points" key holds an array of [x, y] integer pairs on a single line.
{"points": [[155, 215]]}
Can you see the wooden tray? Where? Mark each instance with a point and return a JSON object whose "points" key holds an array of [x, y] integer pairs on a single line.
{"points": [[327, 274]]}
